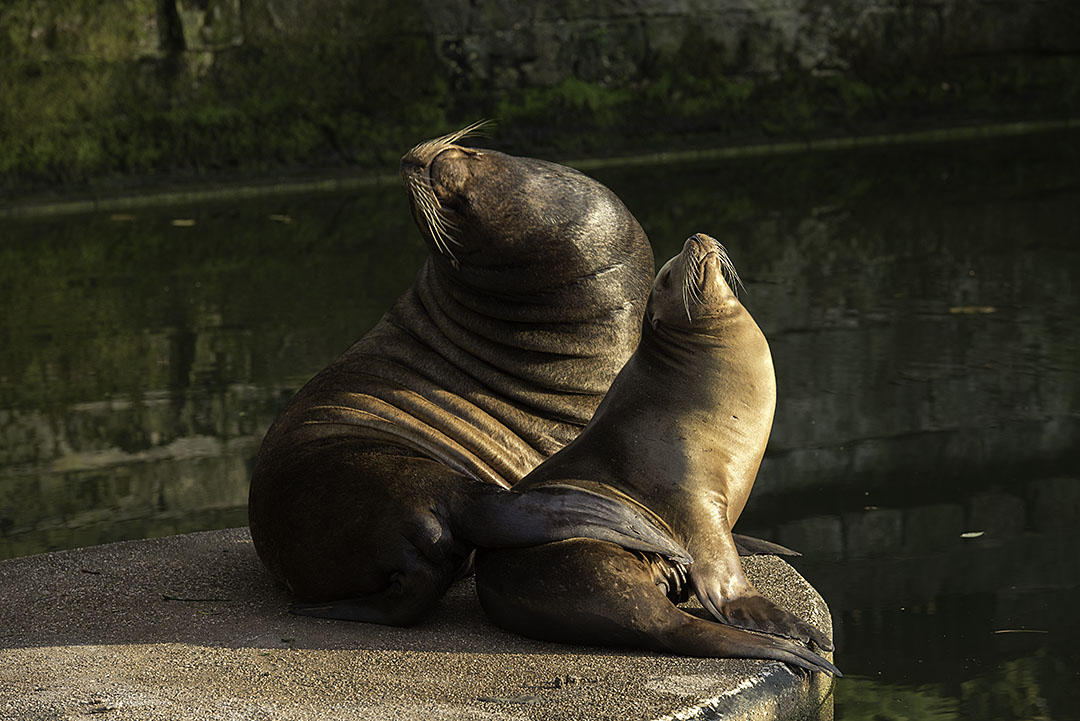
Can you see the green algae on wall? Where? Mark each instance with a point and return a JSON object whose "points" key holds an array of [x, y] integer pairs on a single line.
{"points": [[115, 89], [56, 81], [695, 97], [111, 88]]}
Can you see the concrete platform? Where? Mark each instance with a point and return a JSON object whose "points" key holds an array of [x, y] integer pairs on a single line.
{"points": [[191, 627]]}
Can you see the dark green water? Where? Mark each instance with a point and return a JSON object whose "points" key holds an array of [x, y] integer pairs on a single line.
{"points": [[922, 304]]}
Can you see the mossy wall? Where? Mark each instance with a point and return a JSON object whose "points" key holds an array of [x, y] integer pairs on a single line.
{"points": [[130, 87], [106, 89], [661, 75]]}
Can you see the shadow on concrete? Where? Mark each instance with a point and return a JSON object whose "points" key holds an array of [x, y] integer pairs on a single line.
{"points": [[205, 589]]}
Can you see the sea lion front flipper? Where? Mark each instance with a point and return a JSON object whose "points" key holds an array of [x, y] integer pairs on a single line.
{"points": [[500, 518], [721, 585], [729, 596], [590, 592], [757, 613], [750, 546]]}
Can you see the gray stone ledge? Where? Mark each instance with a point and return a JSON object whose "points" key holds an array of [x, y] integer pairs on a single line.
{"points": [[191, 627]]}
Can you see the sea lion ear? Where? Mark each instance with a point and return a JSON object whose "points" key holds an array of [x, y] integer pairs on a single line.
{"points": [[500, 518]]}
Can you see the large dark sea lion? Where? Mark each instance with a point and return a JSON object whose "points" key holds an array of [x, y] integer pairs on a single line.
{"points": [[374, 484], [681, 433]]}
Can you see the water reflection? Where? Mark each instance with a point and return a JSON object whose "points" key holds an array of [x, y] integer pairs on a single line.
{"points": [[921, 304], [145, 358], [1024, 688]]}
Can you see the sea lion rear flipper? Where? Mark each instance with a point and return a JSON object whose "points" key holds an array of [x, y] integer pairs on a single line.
{"points": [[498, 518], [389, 609], [400, 604], [750, 546], [345, 609], [587, 592]]}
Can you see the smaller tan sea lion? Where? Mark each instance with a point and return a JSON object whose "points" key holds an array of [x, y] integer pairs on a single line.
{"points": [[680, 435]]}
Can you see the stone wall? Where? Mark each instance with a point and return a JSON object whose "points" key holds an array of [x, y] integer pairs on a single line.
{"points": [[620, 42], [196, 87], [128, 87]]}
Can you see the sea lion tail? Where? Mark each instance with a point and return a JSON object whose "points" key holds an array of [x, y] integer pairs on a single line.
{"points": [[590, 592]]}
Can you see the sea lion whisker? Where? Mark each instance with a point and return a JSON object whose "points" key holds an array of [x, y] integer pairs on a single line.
{"points": [[441, 227], [445, 224], [686, 292], [479, 127], [731, 276], [697, 287], [431, 148], [692, 280]]}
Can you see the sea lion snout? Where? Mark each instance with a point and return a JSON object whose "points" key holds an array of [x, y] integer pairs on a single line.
{"points": [[707, 279], [700, 244], [707, 262]]}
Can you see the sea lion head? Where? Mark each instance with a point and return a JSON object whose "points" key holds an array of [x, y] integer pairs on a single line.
{"points": [[482, 212], [694, 289]]}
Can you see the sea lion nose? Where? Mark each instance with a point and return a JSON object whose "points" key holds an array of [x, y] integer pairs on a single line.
{"points": [[698, 242], [413, 163]]}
